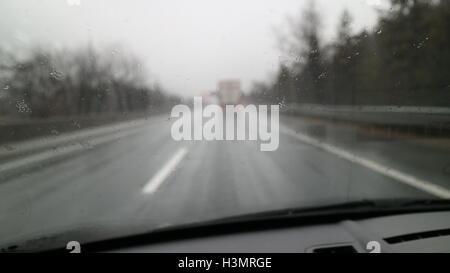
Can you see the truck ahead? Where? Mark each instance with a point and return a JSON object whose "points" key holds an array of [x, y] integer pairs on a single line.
{"points": [[229, 92]]}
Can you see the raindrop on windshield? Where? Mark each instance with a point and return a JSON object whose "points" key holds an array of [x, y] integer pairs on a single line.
{"points": [[56, 75], [22, 107]]}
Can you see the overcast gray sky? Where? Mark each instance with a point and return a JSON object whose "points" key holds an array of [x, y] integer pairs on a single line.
{"points": [[187, 44]]}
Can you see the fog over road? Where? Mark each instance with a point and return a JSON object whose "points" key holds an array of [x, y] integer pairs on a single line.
{"points": [[142, 174]]}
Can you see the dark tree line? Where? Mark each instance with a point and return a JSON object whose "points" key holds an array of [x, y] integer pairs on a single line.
{"points": [[79, 82], [405, 60]]}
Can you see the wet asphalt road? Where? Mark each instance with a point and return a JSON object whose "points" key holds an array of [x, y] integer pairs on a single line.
{"points": [[146, 175]]}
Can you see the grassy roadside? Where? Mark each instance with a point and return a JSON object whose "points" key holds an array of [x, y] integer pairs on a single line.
{"points": [[22, 130]]}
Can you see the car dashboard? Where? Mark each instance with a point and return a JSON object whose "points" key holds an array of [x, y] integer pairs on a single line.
{"points": [[414, 232]]}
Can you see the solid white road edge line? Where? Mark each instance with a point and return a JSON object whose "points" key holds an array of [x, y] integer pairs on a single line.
{"points": [[397, 175], [154, 183]]}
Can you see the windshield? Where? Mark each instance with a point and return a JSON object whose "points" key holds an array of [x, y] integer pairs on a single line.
{"points": [[131, 116]]}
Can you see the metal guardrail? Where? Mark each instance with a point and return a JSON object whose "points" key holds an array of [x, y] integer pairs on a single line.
{"points": [[429, 117]]}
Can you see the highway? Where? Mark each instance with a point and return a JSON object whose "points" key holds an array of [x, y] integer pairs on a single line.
{"points": [[139, 174]]}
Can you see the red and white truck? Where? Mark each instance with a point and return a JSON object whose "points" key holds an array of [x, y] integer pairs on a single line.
{"points": [[229, 92]]}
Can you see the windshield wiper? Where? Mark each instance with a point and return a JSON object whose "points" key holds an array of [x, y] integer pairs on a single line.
{"points": [[385, 206], [427, 202]]}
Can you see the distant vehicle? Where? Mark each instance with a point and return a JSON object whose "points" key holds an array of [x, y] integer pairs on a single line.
{"points": [[229, 92]]}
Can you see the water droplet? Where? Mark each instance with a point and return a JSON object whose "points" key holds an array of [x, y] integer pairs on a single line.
{"points": [[22, 107], [282, 103], [56, 75]]}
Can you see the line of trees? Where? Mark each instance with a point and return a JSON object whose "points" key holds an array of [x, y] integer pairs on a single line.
{"points": [[404, 60], [80, 82]]}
